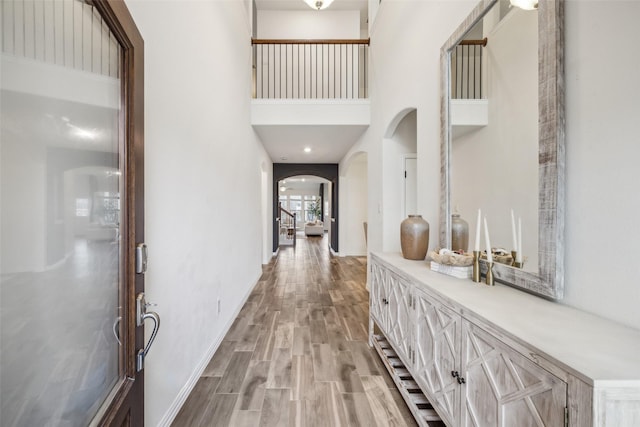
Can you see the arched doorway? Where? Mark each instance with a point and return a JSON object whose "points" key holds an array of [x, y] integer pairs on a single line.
{"points": [[354, 182], [399, 171], [328, 171]]}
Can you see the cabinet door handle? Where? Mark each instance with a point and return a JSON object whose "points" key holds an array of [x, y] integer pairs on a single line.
{"points": [[461, 380], [455, 374]]}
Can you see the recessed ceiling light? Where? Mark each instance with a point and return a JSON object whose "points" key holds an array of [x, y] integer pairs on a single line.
{"points": [[307, 149], [302, 179]]}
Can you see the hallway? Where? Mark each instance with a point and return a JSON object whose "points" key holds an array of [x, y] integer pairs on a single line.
{"points": [[297, 354]]}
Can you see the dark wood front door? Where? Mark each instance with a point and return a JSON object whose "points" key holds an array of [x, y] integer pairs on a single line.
{"points": [[72, 213]]}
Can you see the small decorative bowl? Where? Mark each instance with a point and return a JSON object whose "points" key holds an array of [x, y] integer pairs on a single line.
{"points": [[451, 258]]}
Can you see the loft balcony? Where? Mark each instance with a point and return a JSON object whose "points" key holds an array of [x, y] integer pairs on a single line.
{"points": [[310, 89]]}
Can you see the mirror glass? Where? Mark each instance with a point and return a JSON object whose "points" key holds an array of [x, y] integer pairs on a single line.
{"points": [[502, 147], [494, 129]]}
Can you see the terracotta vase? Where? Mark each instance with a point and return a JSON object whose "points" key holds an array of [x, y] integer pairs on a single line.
{"points": [[414, 237], [459, 233]]}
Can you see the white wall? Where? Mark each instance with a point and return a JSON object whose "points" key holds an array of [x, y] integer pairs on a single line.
{"points": [[602, 108], [603, 203], [353, 207], [202, 183], [399, 78], [403, 141], [311, 24], [495, 168]]}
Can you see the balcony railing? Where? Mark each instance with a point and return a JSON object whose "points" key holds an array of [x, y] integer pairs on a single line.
{"points": [[70, 34], [310, 69], [466, 70]]}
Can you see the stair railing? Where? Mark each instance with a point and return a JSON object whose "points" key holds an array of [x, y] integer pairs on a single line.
{"points": [[288, 222]]}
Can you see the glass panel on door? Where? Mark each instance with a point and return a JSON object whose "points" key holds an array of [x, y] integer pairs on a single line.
{"points": [[60, 213]]}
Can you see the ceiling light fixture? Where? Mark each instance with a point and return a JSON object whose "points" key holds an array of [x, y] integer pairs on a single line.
{"points": [[525, 4], [307, 149], [318, 4]]}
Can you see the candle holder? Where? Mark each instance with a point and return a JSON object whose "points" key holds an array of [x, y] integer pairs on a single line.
{"points": [[514, 254], [489, 277], [518, 264], [476, 266]]}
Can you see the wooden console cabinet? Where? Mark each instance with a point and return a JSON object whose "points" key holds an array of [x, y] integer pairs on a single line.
{"points": [[495, 356]]}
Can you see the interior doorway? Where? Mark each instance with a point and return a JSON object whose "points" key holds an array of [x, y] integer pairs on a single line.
{"points": [[326, 171], [399, 171], [302, 204]]}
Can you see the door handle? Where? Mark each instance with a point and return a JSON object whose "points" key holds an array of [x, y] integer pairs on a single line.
{"points": [[116, 329], [141, 315]]}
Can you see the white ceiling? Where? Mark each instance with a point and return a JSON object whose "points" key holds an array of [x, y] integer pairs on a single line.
{"points": [[302, 182], [329, 144], [361, 5]]}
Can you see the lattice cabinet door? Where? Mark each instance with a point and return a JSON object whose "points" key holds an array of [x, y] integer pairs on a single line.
{"points": [[437, 340], [400, 317], [378, 299], [503, 388]]}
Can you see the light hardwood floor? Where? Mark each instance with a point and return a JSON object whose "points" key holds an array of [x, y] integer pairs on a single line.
{"points": [[297, 354]]}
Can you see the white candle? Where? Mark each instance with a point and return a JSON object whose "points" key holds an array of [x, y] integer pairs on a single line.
{"points": [[519, 253], [513, 232], [488, 242], [478, 222]]}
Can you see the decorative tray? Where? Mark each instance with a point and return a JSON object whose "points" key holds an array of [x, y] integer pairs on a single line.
{"points": [[447, 257]]}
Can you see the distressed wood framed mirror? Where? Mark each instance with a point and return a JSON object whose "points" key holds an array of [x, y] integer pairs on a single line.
{"points": [[486, 162]]}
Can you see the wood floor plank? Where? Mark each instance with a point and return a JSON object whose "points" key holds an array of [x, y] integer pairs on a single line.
{"points": [[324, 366], [245, 419], [275, 411], [297, 413], [266, 339], [252, 390], [218, 364], [348, 378], [329, 408], [381, 402], [364, 358], [287, 313], [330, 315], [237, 329], [303, 380], [302, 317], [220, 410], [337, 338], [297, 354], [315, 311], [301, 341], [284, 335], [358, 410], [279, 375], [318, 331], [196, 404], [248, 341], [233, 377]]}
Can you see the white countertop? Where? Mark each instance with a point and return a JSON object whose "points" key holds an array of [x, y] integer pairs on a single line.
{"points": [[602, 352]]}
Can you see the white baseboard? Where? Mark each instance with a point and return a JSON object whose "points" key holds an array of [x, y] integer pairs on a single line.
{"points": [[182, 396]]}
